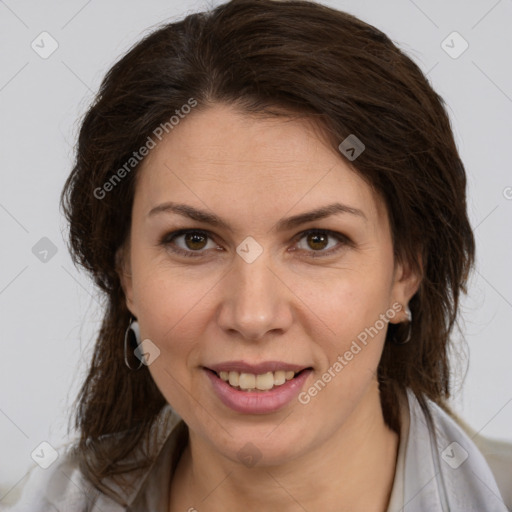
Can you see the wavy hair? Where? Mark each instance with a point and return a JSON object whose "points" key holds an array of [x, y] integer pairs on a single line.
{"points": [[271, 58]]}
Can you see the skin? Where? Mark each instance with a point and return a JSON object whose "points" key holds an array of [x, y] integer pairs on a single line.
{"points": [[334, 453]]}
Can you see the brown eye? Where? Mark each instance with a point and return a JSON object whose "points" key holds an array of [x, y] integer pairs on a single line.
{"points": [[192, 244], [195, 240], [317, 241]]}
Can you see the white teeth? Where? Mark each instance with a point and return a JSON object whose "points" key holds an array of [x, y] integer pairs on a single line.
{"points": [[262, 382], [265, 382], [247, 381], [279, 377], [233, 378]]}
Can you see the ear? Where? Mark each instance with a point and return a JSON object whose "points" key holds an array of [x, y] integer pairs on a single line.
{"points": [[406, 282], [124, 270]]}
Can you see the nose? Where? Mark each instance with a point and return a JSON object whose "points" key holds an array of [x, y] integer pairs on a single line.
{"points": [[256, 301]]}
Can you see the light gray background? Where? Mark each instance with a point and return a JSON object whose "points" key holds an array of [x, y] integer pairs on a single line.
{"points": [[50, 311]]}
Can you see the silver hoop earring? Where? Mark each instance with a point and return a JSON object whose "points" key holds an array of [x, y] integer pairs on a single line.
{"points": [[133, 328], [408, 315]]}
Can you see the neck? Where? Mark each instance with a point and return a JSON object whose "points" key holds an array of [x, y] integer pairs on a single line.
{"points": [[352, 471]]}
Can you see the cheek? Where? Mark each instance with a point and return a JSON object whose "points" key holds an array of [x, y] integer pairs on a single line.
{"points": [[172, 311], [355, 310], [174, 322], [350, 302], [171, 300], [350, 354]]}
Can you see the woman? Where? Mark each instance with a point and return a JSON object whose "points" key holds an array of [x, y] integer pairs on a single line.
{"points": [[270, 196]]}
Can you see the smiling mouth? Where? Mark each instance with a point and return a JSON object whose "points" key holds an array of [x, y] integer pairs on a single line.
{"points": [[261, 382]]}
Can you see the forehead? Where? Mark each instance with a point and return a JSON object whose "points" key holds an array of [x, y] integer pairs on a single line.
{"points": [[225, 159]]}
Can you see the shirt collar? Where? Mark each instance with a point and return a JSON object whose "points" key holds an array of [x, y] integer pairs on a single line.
{"points": [[167, 438], [441, 472], [444, 470]]}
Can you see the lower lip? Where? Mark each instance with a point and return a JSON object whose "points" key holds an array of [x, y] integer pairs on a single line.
{"points": [[258, 402]]}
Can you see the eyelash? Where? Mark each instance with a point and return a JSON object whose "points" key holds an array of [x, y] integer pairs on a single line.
{"points": [[169, 237]]}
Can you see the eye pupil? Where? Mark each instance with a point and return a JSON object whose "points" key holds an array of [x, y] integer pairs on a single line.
{"points": [[196, 241], [317, 236], [192, 238]]}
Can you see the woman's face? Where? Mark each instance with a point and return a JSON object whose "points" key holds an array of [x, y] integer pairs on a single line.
{"points": [[252, 293]]}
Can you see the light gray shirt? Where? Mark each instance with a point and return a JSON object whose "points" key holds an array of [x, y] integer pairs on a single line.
{"points": [[457, 472]]}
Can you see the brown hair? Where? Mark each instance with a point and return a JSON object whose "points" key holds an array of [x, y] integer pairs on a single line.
{"points": [[262, 56]]}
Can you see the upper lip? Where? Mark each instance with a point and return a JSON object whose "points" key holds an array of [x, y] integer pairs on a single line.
{"points": [[255, 368]]}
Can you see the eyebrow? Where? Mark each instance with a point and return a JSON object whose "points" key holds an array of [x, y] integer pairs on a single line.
{"points": [[282, 225]]}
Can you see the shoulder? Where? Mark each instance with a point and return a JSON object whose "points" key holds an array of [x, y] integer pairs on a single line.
{"points": [[63, 486], [60, 484], [498, 455]]}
